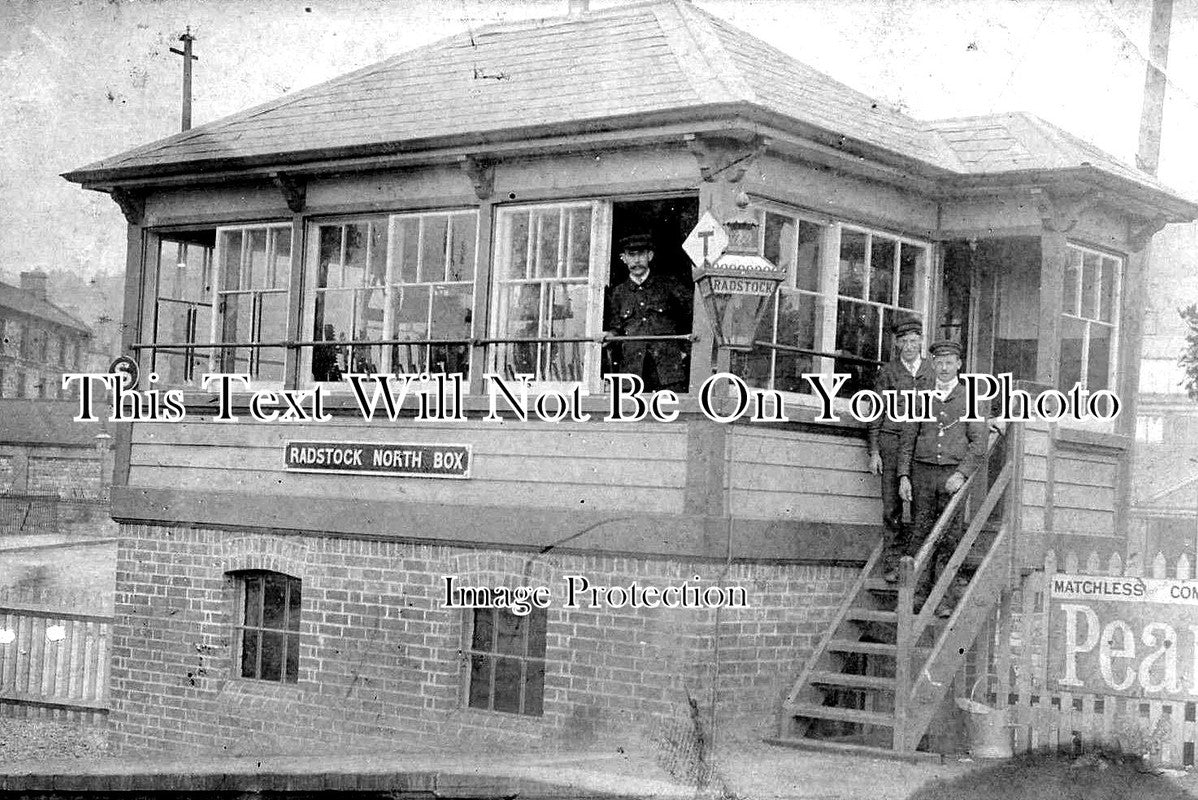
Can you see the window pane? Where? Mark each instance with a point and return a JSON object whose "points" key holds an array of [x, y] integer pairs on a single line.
{"points": [[293, 605], [463, 240], [272, 327], [436, 233], [407, 249], [580, 242], [249, 654], [516, 262], [858, 330], [881, 270], [236, 326], [272, 656], [852, 264], [231, 260], [356, 236], [911, 274], [534, 687], [334, 315], [481, 640], [329, 271], [291, 674], [1070, 300], [253, 602], [1091, 276], [480, 681], [274, 601], [778, 240], [507, 685], [378, 253], [1073, 333], [1098, 372], [279, 272], [1107, 299], [451, 312], [807, 265], [548, 238], [537, 623], [258, 276], [510, 637]]}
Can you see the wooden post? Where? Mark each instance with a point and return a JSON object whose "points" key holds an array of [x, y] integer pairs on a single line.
{"points": [[904, 647], [1054, 260]]}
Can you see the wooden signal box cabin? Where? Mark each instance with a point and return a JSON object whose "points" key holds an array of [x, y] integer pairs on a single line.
{"points": [[454, 209]]}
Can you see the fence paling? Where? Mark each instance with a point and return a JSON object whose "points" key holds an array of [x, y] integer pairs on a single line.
{"points": [[64, 675]]}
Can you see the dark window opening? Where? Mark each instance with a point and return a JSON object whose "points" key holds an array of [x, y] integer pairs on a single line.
{"points": [[267, 639], [507, 661]]}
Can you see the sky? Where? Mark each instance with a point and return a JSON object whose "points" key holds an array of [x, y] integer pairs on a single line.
{"points": [[86, 79]]}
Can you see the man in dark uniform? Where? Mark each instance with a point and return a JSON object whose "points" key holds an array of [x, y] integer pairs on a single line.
{"points": [[935, 459], [907, 371], [650, 304]]}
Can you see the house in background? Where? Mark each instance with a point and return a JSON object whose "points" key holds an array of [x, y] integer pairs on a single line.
{"points": [[38, 341], [456, 209]]}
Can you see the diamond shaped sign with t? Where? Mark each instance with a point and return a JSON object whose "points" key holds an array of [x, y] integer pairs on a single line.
{"points": [[706, 242]]}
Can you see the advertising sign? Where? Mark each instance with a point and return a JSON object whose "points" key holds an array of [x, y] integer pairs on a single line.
{"points": [[1123, 635]]}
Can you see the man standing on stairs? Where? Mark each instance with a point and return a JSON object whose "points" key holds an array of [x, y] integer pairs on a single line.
{"points": [[935, 459], [907, 370]]}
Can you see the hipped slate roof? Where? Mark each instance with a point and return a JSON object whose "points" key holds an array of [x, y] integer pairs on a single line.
{"points": [[17, 299], [599, 70]]}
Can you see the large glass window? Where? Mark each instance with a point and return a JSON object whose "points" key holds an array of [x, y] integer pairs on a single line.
{"points": [[1089, 324], [843, 289], [546, 301], [181, 314], [393, 295], [255, 271]]}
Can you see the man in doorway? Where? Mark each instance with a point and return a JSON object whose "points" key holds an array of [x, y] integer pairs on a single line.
{"points": [[935, 459], [650, 304], [908, 370]]}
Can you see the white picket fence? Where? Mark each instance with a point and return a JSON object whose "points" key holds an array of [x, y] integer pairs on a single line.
{"points": [[1017, 676]]}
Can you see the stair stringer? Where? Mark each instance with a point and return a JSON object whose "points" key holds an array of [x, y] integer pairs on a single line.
{"points": [[821, 657], [933, 678]]}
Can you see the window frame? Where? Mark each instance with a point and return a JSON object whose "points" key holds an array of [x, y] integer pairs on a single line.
{"points": [[393, 219], [598, 269], [1114, 324], [493, 655], [290, 636], [829, 297]]}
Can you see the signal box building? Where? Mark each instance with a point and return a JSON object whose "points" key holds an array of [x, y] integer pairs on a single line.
{"points": [[458, 209]]}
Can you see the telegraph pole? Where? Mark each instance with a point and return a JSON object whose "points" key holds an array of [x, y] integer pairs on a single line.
{"points": [[1149, 154], [187, 39]]}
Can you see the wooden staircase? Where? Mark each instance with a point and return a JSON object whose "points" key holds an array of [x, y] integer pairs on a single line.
{"points": [[884, 664]]}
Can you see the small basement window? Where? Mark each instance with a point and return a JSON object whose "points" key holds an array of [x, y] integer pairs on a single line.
{"points": [[507, 661], [267, 634]]}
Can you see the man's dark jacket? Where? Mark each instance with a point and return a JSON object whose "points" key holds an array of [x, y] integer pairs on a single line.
{"points": [[949, 441], [658, 306], [893, 376]]}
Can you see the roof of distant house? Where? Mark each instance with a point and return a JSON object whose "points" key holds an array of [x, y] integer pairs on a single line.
{"points": [[623, 67], [46, 422], [18, 299]]}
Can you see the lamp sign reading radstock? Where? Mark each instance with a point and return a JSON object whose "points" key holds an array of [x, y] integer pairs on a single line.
{"points": [[1124, 636], [380, 458]]}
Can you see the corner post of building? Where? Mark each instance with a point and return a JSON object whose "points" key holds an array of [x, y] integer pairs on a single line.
{"points": [[1054, 260], [133, 205], [481, 173], [295, 194], [1132, 302], [723, 162]]}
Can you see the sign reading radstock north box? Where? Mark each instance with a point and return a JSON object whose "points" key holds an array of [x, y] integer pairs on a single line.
{"points": [[380, 458], [1123, 636]]}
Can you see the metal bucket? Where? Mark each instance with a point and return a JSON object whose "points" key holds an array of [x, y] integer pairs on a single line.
{"points": [[989, 731]]}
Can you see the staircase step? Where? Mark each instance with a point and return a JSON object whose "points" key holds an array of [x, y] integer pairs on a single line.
{"points": [[853, 749], [881, 587], [812, 711], [872, 615], [851, 646], [854, 681]]}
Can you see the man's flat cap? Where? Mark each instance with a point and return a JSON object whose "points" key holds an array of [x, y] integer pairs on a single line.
{"points": [[636, 242], [907, 325], [945, 347]]}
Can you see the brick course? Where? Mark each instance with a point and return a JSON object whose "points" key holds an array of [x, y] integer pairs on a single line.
{"points": [[381, 661]]}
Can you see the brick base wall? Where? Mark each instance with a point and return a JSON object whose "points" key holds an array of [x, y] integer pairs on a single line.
{"points": [[381, 661]]}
